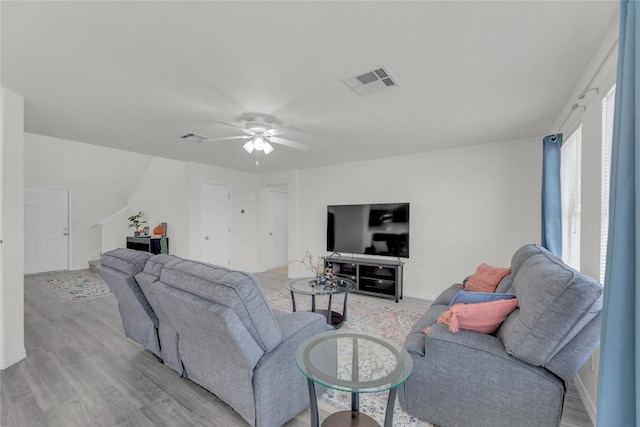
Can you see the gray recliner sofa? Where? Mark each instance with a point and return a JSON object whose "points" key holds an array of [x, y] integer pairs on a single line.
{"points": [[216, 328], [519, 376], [166, 333], [118, 269]]}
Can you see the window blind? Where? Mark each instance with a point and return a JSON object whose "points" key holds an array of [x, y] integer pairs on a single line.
{"points": [[570, 177], [608, 103]]}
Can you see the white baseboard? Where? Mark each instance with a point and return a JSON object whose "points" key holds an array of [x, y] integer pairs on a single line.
{"points": [[4, 364], [586, 399]]}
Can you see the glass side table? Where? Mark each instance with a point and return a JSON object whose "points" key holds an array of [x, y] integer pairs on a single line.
{"points": [[354, 363], [309, 286]]}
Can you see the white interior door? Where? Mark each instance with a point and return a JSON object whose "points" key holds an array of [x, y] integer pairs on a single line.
{"points": [[216, 224], [278, 229], [46, 229]]}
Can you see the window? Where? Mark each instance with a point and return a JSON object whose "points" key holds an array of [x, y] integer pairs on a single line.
{"points": [[570, 177], [608, 103]]}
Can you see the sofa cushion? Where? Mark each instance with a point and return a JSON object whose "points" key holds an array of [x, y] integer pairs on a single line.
{"points": [[157, 262], [484, 317], [485, 279], [556, 302], [518, 258], [465, 297], [151, 273], [128, 261], [504, 287], [240, 291]]}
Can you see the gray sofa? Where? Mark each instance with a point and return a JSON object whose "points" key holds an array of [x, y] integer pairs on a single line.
{"points": [[118, 269], [215, 327], [167, 335], [519, 376]]}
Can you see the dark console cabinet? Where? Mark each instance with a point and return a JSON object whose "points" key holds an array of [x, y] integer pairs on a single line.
{"points": [[146, 244], [373, 276]]}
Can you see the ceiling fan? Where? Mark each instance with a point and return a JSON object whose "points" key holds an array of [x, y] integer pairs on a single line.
{"points": [[261, 133]]}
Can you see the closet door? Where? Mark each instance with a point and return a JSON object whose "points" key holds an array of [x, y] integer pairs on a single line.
{"points": [[216, 224]]}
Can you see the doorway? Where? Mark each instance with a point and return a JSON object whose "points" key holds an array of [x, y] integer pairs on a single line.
{"points": [[46, 229], [277, 229], [216, 224]]}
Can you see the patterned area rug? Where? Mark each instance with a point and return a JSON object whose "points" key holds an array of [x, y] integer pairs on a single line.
{"points": [[73, 286], [368, 316]]}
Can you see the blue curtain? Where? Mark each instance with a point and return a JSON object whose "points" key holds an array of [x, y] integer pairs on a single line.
{"points": [[619, 374], [551, 204]]}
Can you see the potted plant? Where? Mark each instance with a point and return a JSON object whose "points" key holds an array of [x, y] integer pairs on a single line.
{"points": [[135, 221]]}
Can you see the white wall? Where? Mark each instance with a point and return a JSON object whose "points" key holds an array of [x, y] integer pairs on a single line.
{"points": [[163, 197], [468, 206], [99, 180], [11, 229]]}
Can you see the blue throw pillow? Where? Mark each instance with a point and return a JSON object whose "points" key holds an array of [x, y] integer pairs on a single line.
{"points": [[466, 297]]}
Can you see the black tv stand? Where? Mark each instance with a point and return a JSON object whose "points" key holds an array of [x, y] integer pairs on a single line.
{"points": [[378, 277]]}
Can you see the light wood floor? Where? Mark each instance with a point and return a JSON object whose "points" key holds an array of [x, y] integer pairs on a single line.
{"points": [[82, 371]]}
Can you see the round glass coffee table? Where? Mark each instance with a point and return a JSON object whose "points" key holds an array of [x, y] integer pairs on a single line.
{"points": [[354, 363], [309, 286]]}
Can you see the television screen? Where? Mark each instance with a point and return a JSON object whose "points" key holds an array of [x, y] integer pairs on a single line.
{"points": [[372, 229]]}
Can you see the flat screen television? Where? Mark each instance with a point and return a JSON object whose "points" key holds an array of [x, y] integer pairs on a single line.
{"points": [[371, 229]]}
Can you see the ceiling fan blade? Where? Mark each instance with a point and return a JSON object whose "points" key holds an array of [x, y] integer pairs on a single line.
{"points": [[234, 126], [289, 143], [228, 138], [282, 130]]}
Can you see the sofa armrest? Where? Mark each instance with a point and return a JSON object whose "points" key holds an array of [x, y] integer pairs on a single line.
{"points": [[415, 341], [280, 389], [292, 323], [474, 368], [448, 294]]}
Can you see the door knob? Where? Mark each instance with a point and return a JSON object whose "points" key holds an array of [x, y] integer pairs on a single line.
{"points": [[270, 234], [206, 237], [65, 234]]}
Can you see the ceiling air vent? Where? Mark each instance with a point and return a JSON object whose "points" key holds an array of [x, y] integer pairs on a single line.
{"points": [[194, 137], [371, 82]]}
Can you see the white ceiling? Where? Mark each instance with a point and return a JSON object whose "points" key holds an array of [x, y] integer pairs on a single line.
{"points": [[135, 75]]}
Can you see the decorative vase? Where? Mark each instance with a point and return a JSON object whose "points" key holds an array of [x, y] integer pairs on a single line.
{"points": [[322, 279], [136, 233]]}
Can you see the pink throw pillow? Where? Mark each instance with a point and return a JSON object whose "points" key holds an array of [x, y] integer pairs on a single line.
{"points": [[485, 317], [486, 278]]}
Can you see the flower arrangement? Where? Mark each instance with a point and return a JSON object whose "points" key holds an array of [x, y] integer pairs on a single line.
{"points": [[319, 268]]}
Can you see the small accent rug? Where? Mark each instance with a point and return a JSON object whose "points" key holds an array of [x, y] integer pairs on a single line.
{"points": [[73, 286], [368, 316]]}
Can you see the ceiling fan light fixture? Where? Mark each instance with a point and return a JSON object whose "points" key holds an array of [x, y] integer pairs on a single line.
{"points": [[258, 142], [267, 148], [260, 133], [249, 147]]}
